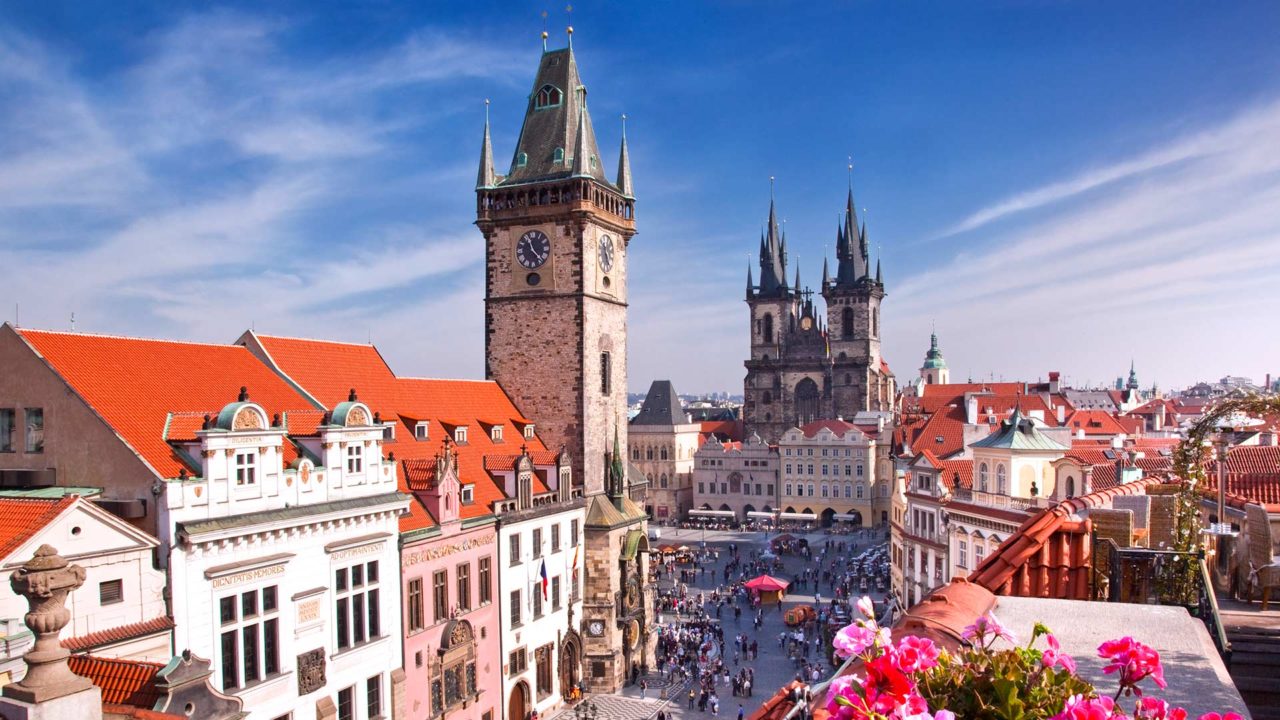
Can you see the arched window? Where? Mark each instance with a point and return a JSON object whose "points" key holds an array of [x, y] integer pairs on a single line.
{"points": [[1071, 486], [662, 453], [648, 453], [548, 96], [558, 155], [982, 477], [875, 323], [1002, 480], [767, 332], [662, 480], [846, 323], [807, 400]]}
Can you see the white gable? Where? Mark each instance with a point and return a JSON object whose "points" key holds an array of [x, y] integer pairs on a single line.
{"points": [[84, 530]]}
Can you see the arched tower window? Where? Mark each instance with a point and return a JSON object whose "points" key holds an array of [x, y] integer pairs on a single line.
{"points": [[558, 155], [807, 400], [648, 453], [1002, 480], [548, 96], [875, 322], [846, 323], [767, 332], [1071, 486], [982, 477], [662, 453]]}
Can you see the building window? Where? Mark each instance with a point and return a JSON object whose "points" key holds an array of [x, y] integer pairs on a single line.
{"points": [[355, 458], [486, 580], [982, 477], [859, 491], [860, 471], [463, 581], [528, 431], [6, 429], [536, 596], [548, 96], [662, 453], [824, 490], [1002, 480], [422, 430], [246, 468], [848, 491], [537, 543], [347, 703], [810, 468], [468, 494], [35, 430], [542, 660], [250, 642], [495, 433], [110, 592], [555, 538], [605, 370], [517, 662], [514, 544], [769, 488], [515, 609], [357, 618], [373, 696], [810, 489], [555, 593], [460, 435], [978, 551], [439, 596], [767, 331], [558, 155], [573, 533], [416, 618], [522, 159], [701, 490]]}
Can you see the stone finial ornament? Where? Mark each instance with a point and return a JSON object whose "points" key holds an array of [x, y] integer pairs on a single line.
{"points": [[45, 580]]}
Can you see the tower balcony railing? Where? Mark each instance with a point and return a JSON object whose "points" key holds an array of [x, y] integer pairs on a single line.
{"points": [[998, 500], [552, 198]]}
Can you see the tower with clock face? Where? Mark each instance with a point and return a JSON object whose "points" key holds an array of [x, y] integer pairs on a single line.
{"points": [[557, 231]]}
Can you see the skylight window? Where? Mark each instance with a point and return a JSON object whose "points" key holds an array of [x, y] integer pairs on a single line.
{"points": [[548, 96]]}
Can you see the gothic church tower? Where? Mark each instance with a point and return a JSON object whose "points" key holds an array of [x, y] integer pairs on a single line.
{"points": [[557, 232]]}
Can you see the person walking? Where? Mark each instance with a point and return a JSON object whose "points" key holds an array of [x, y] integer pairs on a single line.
{"points": [[692, 695], [643, 687], [741, 712]]}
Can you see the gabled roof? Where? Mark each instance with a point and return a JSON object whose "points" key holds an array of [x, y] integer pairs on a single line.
{"points": [[942, 433], [22, 518], [120, 633], [1020, 433], [1095, 422], [327, 371], [957, 474], [1050, 555], [838, 427], [134, 384], [123, 682], [661, 406]]}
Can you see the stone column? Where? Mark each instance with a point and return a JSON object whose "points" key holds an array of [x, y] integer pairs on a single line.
{"points": [[49, 688]]}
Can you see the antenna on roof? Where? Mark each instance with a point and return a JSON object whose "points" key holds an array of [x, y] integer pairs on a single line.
{"points": [[569, 9], [73, 321], [771, 179], [544, 33], [850, 173]]}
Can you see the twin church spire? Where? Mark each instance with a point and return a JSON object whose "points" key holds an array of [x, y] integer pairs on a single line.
{"points": [[853, 259], [557, 139]]}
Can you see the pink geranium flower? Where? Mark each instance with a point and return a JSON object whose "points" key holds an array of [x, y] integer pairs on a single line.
{"points": [[1134, 661], [1055, 657], [1216, 716], [866, 607], [1078, 707], [854, 640], [1151, 708], [987, 628], [915, 654]]}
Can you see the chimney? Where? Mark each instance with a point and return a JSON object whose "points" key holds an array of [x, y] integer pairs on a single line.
{"points": [[1159, 418], [971, 410], [1062, 413], [1053, 381]]}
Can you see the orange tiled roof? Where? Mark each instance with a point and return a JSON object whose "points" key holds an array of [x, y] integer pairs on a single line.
{"points": [[22, 518], [725, 429], [117, 634], [957, 474], [502, 463], [1050, 555], [839, 427], [943, 433], [134, 384], [1095, 422], [327, 371], [1253, 475], [123, 682]]}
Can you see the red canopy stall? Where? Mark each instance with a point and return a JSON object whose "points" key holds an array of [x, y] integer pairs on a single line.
{"points": [[770, 588]]}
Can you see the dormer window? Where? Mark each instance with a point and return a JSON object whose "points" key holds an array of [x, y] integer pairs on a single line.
{"points": [[422, 430], [460, 434], [522, 159], [246, 468], [558, 155], [389, 432], [495, 433], [548, 96], [528, 431], [468, 494], [355, 458]]}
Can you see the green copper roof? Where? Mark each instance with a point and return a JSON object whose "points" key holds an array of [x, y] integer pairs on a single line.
{"points": [[1020, 433], [632, 544], [50, 492], [933, 358]]}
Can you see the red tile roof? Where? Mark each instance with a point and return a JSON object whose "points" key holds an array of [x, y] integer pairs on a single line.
{"points": [[1253, 475], [1095, 422], [329, 370], [134, 384], [22, 518], [117, 634], [839, 427], [957, 473], [123, 682], [724, 429], [1050, 555], [942, 433]]}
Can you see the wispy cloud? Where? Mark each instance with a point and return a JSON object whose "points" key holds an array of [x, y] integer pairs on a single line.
{"points": [[1171, 255]]}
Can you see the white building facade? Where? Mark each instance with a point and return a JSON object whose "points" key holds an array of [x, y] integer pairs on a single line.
{"points": [[287, 575], [829, 470], [741, 478]]}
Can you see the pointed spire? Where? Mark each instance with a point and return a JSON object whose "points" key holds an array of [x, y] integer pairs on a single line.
{"points": [[773, 278], [798, 285], [624, 165], [486, 177], [750, 284], [581, 150], [616, 467], [879, 277], [826, 275]]}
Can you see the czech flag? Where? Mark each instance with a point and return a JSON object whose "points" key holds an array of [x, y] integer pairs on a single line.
{"points": [[543, 574]]}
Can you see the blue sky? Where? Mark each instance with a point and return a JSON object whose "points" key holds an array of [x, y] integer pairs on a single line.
{"points": [[1058, 186]]}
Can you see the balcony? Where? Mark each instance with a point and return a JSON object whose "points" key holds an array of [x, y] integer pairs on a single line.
{"points": [[997, 500], [924, 535]]}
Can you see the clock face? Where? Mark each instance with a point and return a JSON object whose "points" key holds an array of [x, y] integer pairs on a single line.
{"points": [[606, 253], [596, 627], [806, 323], [533, 249]]}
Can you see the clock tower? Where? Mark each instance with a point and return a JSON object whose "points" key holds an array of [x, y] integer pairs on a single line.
{"points": [[557, 232]]}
